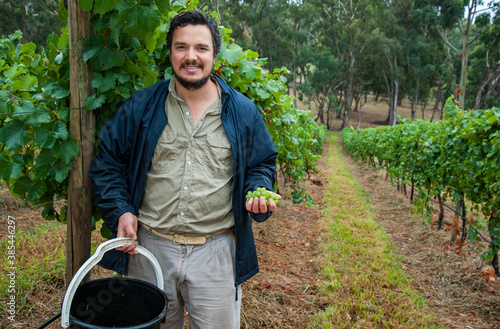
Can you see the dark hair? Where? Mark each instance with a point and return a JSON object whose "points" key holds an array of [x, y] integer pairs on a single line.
{"points": [[194, 17]]}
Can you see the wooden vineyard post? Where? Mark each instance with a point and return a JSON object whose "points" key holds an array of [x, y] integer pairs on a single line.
{"points": [[82, 127]]}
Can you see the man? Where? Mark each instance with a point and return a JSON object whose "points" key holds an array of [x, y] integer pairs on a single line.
{"points": [[172, 171]]}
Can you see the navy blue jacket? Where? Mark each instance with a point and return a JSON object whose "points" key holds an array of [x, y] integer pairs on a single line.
{"points": [[126, 145]]}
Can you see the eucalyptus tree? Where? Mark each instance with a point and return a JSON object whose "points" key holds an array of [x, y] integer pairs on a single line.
{"points": [[233, 14], [272, 28], [322, 79], [460, 15], [300, 37], [36, 19], [435, 61], [423, 64], [343, 26], [366, 78], [485, 62], [390, 49]]}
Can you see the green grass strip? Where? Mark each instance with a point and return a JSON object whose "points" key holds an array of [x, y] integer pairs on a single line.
{"points": [[37, 261], [361, 279]]}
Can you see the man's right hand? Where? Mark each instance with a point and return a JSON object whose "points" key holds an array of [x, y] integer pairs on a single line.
{"points": [[127, 227]]}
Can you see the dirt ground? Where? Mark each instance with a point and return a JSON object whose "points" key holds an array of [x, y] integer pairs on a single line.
{"points": [[284, 294], [459, 287]]}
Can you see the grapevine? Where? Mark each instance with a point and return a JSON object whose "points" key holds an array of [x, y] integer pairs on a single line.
{"points": [[262, 192], [451, 159], [127, 52]]}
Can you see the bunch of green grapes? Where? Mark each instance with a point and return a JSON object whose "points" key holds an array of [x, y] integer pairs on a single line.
{"points": [[261, 191]]}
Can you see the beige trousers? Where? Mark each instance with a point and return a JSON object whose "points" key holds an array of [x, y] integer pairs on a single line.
{"points": [[200, 277]]}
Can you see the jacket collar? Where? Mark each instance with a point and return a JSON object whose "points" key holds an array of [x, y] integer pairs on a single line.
{"points": [[226, 89]]}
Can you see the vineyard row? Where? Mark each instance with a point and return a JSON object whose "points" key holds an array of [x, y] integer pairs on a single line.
{"points": [[453, 160]]}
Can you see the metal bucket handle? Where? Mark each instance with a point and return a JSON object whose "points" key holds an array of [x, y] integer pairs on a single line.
{"points": [[93, 260]]}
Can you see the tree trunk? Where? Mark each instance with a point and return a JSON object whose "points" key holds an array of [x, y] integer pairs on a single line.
{"points": [[465, 53], [25, 19], [339, 113], [321, 115], [441, 212], [423, 105], [414, 111], [391, 95], [358, 108], [438, 97], [491, 88], [295, 86], [327, 118], [395, 107], [494, 261], [486, 79], [348, 94], [458, 213]]}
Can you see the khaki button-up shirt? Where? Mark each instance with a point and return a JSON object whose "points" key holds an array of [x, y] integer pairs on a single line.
{"points": [[189, 183]]}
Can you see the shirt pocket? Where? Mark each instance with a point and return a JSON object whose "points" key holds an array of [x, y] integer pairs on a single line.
{"points": [[166, 152], [219, 158]]}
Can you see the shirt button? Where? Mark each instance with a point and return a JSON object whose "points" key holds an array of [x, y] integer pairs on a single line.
{"points": [[189, 162], [185, 188], [182, 213], [187, 113]]}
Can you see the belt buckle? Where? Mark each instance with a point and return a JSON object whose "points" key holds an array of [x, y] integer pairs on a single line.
{"points": [[178, 239]]}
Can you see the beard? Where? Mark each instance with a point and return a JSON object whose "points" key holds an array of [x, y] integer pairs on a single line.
{"points": [[193, 85]]}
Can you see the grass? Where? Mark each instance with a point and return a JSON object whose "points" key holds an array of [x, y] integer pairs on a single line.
{"points": [[361, 276], [39, 263]]}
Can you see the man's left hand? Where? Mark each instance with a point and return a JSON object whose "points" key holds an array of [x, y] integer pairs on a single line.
{"points": [[258, 205]]}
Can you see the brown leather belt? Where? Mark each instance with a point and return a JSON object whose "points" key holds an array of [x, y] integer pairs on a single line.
{"points": [[184, 239]]}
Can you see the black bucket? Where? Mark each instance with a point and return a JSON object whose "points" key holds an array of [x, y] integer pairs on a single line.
{"points": [[118, 303]]}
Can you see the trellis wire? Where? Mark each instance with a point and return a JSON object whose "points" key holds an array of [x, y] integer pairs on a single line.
{"points": [[33, 207]]}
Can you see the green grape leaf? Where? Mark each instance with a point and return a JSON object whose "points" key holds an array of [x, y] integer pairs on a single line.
{"points": [[4, 106], [55, 90], [138, 20], [105, 231], [13, 72], [110, 58], [93, 103], [11, 168], [163, 6], [92, 47], [13, 134], [25, 83], [103, 6], [249, 70], [60, 131], [231, 54], [43, 137], [66, 150], [37, 119], [86, 4], [130, 66], [104, 83], [28, 48], [32, 191], [122, 76], [43, 163], [63, 41], [24, 110], [60, 171], [48, 213]]}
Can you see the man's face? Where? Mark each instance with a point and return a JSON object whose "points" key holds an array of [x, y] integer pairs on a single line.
{"points": [[192, 55]]}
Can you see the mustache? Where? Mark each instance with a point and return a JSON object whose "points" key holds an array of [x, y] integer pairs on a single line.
{"points": [[192, 63]]}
